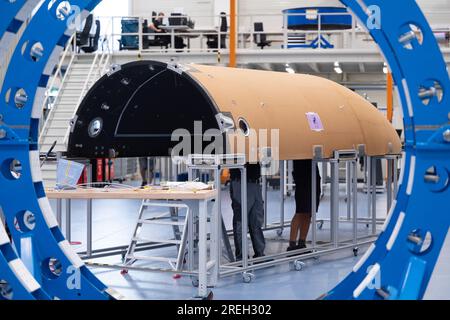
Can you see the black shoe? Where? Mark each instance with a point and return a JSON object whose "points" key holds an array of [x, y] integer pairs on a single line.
{"points": [[292, 246], [301, 244], [144, 183]]}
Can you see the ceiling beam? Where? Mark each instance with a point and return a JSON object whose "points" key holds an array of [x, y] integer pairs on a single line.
{"points": [[362, 67], [314, 66]]}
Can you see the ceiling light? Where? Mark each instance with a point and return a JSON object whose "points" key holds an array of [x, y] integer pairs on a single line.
{"points": [[290, 70], [337, 68]]}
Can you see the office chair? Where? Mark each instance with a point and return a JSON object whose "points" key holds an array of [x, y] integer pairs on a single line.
{"points": [[128, 42], [261, 38], [213, 40], [93, 41], [83, 36], [145, 36]]}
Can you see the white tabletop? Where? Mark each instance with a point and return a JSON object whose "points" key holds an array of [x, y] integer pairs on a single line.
{"points": [[180, 27]]}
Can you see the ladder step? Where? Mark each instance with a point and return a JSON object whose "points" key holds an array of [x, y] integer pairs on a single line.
{"points": [[157, 240], [161, 259], [147, 203], [166, 223]]}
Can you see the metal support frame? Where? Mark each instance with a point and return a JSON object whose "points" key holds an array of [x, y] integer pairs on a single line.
{"points": [[370, 173], [335, 244], [349, 158], [216, 164]]}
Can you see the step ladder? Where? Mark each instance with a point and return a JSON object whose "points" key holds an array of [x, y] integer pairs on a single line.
{"points": [[170, 218]]}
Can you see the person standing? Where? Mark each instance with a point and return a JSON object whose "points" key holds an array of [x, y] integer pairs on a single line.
{"points": [[146, 168], [157, 22], [255, 209], [301, 221]]}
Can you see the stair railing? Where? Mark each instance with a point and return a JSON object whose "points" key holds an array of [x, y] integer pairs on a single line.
{"points": [[62, 79], [98, 68]]}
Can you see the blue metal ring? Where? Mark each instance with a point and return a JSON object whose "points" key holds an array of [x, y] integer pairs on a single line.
{"points": [[404, 273], [53, 264], [399, 269]]}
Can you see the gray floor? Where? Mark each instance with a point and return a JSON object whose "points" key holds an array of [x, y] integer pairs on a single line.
{"points": [[114, 222]]}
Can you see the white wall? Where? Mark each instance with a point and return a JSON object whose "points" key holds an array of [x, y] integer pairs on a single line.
{"points": [[379, 97], [271, 11], [194, 9], [112, 8], [436, 11], [263, 8]]}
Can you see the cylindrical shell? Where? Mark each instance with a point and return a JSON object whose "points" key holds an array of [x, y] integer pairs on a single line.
{"points": [[140, 106], [281, 101]]}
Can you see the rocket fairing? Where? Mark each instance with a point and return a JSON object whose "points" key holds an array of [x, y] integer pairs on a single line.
{"points": [[134, 111]]}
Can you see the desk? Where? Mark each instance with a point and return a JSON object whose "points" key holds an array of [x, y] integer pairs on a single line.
{"points": [[173, 30], [203, 32], [197, 202]]}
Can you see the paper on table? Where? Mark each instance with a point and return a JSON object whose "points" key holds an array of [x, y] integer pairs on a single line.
{"points": [[188, 185]]}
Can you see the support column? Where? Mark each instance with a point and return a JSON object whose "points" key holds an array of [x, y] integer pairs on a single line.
{"points": [[233, 33], [390, 97]]}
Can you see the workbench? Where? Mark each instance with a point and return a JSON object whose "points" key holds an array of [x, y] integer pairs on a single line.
{"points": [[197, 201]]}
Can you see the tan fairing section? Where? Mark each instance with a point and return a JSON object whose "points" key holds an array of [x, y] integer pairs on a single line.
{"points": [[276, 100]]}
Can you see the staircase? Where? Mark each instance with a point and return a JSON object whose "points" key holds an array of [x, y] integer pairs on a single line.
{"points": [[81, 73]]}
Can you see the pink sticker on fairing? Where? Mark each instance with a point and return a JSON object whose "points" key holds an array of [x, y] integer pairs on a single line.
{"points": [[314, 121]]}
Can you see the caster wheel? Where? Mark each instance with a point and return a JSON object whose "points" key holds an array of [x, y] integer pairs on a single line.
{"points": [[195, 283], [355, 251], [367, 225], [210, 296], [298, 265], [124, 271], [280, 232], [248, 277]]}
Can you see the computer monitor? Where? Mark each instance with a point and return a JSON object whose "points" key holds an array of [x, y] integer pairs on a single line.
{"points": [[177, 19]]}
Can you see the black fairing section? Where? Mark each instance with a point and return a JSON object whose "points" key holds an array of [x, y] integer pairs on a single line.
{"points": [[139, 108]]}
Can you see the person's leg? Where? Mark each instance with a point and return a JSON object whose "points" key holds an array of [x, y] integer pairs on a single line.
{"points": [[151, 170], [143, 170], [256, 218], [150, 176], [235, 195], [305, 222], [295, 228]]}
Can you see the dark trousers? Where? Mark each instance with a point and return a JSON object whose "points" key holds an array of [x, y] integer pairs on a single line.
{"points": [[255, 214], [146, 171]]}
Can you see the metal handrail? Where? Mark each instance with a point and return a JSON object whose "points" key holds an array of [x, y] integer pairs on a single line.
{"points": [[245, 30], [100, 64], [58, 74]]}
